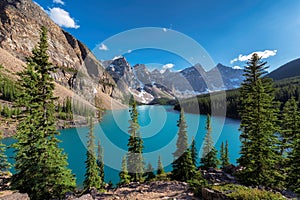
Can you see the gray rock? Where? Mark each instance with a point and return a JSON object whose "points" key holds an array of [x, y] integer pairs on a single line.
{"points": [[15, 196], [85, 197]]}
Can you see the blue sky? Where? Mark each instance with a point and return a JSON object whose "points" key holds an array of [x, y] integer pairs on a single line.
{"points": [[227, 30]]}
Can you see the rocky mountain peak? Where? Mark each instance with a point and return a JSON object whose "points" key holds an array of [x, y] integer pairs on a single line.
{"points": [[219, 65], [167, 72], [140, 67], [155, 71], [199, 67], [187, 82]]}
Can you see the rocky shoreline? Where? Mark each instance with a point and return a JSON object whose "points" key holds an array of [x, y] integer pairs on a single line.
{"points": [[150, 190], [8, 127]]}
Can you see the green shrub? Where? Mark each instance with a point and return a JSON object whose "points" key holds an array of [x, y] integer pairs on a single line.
{"points": [[238, 192], [163, 177], [196, 184]]}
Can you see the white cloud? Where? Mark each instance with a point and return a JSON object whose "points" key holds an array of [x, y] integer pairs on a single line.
{"points": [[62, 18], [59, 2], [168, 66], [165, 30], [103, 47], [234, 60], [262, 54], [236, 67]]}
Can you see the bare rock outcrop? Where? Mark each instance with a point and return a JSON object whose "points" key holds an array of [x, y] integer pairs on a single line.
{"points": [[153, 190], [15, 196]]}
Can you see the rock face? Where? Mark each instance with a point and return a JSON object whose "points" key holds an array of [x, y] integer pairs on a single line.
{"points": [[20, 25], [216, 176], [16, 196], [134, 80]]}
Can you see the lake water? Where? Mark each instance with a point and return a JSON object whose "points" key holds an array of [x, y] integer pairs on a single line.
{"points": [[158, 129]]}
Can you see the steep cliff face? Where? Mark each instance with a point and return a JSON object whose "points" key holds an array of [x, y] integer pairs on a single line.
{"points": [[20, 25], [21, 21]]}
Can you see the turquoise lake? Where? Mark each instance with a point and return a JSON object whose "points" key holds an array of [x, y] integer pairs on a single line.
{"points": [[158, 129]]}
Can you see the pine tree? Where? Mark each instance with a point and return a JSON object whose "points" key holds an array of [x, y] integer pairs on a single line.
{"points": [[182, 143], [149, 173], [259, 154], [290, 143], [289, 125], [135, 161], [194, 153], [226, 158], [100, 164], [41, 166], [92, 178], [224, 155], [160, 168], [209, 154], [124, 176], [294, 167], [4, 164], [183, 166]]}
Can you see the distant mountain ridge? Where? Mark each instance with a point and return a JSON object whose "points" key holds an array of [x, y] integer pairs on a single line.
{"points": [[288, 70], [148, 85]]}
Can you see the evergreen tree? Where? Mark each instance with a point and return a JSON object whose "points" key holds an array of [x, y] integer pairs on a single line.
{"points": [[289, 126], [290, 143], [135, 161], [181, 143], [226, 158], [209, 154], [259, 153], [160, 168], [100, 163], [124, 176], [224, 155], [92, 178], [41, 166], [194, 153], [4, 164], [149, 173], [183, 166], [294, 167]]}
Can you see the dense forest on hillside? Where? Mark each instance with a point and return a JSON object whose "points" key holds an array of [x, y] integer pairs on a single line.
{"points": [[288, 70], [284, 90]]}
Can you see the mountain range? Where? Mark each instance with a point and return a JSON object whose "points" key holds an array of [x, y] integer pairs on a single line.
{"points": [[148, 85], [80, 74]]}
